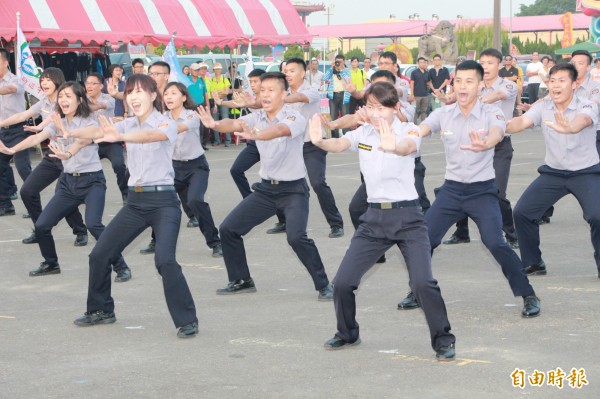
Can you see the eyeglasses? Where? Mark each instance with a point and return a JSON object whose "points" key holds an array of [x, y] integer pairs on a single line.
{"points": [[157, 73], [92, 83], [381, 63]]}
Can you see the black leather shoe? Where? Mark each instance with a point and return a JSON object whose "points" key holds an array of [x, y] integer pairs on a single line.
{"points": [[531, 306], [217, 251], [14, 196], [188, 331], [336, 232], [326, 293], [336, 343], [7, 211], [410, 302], [445, 353], [544, 220], [81, 240], [45, 269], [149, 249], [92, 318], [238, 287], [123, 275], [382, 259], [538, 269], [32, 239], [457, 240], [193, 222], [514, 244], [26, 216], [278, 228]]}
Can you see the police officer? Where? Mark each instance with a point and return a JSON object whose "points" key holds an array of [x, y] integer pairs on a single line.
{"points": [[469, 130], [104, 104], [393, 217], [12, 102], [306, 99], [50, 168], [152, 201], [279, 132], [502, 93], [82, 180], [189, 162], [571, 166]]}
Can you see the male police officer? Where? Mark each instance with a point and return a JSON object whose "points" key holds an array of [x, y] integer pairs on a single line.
{"points": [[279, 134]]}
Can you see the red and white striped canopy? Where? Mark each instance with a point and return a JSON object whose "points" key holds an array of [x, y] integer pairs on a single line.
{"points": [[197, 22]]}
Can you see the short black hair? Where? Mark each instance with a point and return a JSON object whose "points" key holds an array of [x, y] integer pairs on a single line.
{"points": [[385, 93], [491, 52], [437, 56], [161, 64], [83, 109], [256, 73], [583, 52], [189, 101], [384, 74], [354, 58], [340, 57], [53, 74], [564, 66], [421, 59], [545, 58], [596, 60], [112, 67], [470, 65], [275, 76], [137, 61], [298, 61], [97, 76], [388, 54]]}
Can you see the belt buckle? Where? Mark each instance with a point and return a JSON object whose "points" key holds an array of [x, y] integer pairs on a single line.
{"points": [[274, 181], [138, 189], [76, 174], [386, 205]]}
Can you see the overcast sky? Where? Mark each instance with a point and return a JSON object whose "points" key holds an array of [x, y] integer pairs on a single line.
{"points": [[357, 11]]}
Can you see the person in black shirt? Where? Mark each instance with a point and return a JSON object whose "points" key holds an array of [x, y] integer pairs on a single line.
{"points": [[439, 77], [419, 91]]}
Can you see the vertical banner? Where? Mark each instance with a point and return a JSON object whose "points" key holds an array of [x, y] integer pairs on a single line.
{"points": [[27, 70], [567, 23], [250, 61], [170, 57]]}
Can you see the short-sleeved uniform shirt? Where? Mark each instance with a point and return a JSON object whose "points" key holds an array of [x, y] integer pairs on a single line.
{"points": [[43, 108], [388, 177], [420, 80], [119, 106], [150, 164], [86, 159], [109, 102], [187, 145], [11, 104], [567, 151], [510, 88], [307, 110], [281, 158], [466, 166], [589, 90]]}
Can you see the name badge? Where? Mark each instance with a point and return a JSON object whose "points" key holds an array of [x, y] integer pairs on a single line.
{"points": [[365, 147]]}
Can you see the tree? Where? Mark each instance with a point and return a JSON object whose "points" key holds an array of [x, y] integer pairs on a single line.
{"points": [[293, 51], [547, 7], [355, 52], [476, 37]]}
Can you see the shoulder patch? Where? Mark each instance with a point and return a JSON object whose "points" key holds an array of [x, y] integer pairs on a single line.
{"points": [[365, 147], [414, 133], [587, 106], [509, 87], [291, 118], [500, 117], [190, 116], [595, 91]]}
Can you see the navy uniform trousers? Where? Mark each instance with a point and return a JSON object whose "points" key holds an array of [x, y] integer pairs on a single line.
{"points": [[315, 160], [115, 153], [479, 201], [191, 183], [358, 203], [289, 198], [159, 210], [550, 186], [11, 137], [378, 231], [503, 154], [72, 191], [246, 159], [47, 171]]}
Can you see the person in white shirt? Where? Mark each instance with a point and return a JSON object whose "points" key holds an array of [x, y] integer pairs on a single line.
{"points": [[313, 76], [532, 72]]}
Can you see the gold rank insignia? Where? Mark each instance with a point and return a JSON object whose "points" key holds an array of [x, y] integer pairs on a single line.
{"points": [[509, 87], [164, 124], [291, 118], [365, 147], [500, 117], [413, 133]]}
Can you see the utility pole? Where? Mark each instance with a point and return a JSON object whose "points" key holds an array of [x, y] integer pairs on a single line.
{"points": [[497, 39]]}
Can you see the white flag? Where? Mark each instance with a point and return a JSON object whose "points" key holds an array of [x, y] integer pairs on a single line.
{"points": [[27, 71], [250, 62]]}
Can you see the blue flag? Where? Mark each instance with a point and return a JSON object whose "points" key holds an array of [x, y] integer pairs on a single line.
{"points": [[170, 57]]}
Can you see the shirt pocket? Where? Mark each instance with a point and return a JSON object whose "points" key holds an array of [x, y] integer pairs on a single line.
{"points": [[151, 147]]}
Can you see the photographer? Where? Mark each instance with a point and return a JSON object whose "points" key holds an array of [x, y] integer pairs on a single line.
{"points": [[336, 79]]}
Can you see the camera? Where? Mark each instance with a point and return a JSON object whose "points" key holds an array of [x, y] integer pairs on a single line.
{"points": [[338, 63]]}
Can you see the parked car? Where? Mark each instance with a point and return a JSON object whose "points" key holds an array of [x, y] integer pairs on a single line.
{"points": [[265, 66], [124, 59], [210, 59]]}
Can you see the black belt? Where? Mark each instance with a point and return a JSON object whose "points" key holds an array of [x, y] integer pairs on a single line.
{"points": [[150, 189], [394, 205], [77, 174], [280, 181], [14, 126]]}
